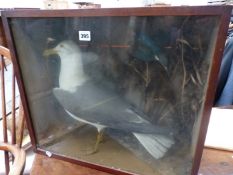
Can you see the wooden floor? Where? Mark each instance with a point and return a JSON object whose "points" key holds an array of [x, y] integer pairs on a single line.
{"points": [[214, 162]]}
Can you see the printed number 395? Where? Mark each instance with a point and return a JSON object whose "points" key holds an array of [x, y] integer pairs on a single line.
{"points": [[84, 35]]}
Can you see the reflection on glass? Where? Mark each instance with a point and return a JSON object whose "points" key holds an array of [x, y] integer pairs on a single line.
{"points": [[121, 92]]}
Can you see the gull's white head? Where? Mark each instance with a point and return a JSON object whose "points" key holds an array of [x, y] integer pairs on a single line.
{"points": [[72, 67], [63, 49]]}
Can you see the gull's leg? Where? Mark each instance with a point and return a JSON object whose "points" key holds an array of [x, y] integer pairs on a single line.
{"points": [[98, 140]]}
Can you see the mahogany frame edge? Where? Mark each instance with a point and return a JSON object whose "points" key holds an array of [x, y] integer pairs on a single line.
{"points": [[19, 80], [139, 11], [84, 163], [211, 88]]}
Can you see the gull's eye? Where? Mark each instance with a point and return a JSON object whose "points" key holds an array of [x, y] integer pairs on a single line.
{"points": [[61, 45]]}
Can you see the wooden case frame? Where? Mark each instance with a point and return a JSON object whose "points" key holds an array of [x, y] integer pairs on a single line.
{"points": [[223, 12]]}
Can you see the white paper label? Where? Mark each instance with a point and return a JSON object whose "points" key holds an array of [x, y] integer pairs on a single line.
{"points": [[84, 36], [49, 154]]}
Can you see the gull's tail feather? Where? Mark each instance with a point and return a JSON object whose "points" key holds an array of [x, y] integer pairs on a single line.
{"points": [[156, 145]]}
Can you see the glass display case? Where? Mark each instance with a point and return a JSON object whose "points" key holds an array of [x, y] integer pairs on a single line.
{"points": [[127, 91]]}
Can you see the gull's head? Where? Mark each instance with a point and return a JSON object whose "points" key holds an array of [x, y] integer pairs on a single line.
{"points": [[63, 49]]}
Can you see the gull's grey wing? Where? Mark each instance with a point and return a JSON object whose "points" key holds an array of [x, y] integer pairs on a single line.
{"points": [[97, 104]]}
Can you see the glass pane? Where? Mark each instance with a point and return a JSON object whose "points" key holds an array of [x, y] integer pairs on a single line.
{"points": [[121, 92]]}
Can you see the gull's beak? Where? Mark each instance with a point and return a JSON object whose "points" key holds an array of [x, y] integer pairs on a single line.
{"points": [[49, 52]]}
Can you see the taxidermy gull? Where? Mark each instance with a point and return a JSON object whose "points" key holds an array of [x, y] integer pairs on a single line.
{"points": [[90, 102]]}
